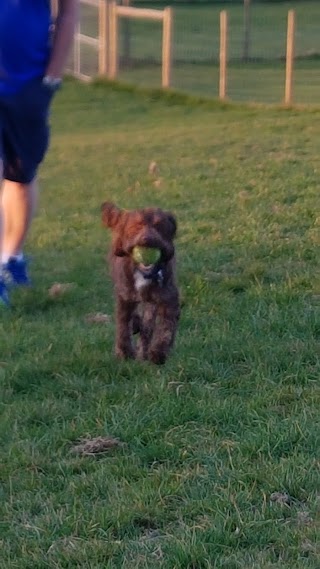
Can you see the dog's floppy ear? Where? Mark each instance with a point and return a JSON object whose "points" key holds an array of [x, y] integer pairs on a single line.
{"points": [[111, 214], [172, 225]]}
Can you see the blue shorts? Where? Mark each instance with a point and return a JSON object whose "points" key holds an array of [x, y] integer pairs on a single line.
{"points": [[24, 130]]}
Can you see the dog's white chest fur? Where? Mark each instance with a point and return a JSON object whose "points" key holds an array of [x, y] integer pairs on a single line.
{"points": [[140, 282]]}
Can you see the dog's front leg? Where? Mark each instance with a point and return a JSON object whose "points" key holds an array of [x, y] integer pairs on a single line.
{"points": [[124, 312], [165, 331], [147, 324]]}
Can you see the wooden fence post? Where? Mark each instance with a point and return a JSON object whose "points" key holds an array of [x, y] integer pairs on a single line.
{"points": [[103, 37], [113, 41], [167, 47], [290, 57], [223, 54]]}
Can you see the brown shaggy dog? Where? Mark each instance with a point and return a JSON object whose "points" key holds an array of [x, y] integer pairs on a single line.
{"points": [[147, 298]]}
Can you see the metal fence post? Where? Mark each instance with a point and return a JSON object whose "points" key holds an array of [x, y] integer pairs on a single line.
{"points": [[103, 37], [113, 41]]}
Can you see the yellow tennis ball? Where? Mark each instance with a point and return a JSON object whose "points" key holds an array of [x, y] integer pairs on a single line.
{"points": [[146, 255]]}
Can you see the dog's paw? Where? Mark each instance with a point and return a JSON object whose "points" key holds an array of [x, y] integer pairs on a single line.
{"points": [[124, 353], [141, 351], [157, 357]]}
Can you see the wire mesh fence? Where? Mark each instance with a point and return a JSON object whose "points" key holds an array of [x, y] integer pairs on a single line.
{"points": [[256, 50]]}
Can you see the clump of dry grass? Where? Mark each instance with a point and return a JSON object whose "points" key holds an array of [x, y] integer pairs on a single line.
{"points": [[96, 445]]}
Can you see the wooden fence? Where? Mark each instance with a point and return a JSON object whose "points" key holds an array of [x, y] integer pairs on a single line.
{"points": [[106, 44]]}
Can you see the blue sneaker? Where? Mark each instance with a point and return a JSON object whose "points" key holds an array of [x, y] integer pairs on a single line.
{"points": [[15, 271], [4, 296]]}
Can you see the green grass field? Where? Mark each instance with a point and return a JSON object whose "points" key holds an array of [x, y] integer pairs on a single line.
{"points": [[219, 461], [196, 51]]}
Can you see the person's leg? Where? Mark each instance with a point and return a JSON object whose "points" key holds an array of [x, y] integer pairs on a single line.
{"points": [[4, 297], [25, 141], [18, 204]]}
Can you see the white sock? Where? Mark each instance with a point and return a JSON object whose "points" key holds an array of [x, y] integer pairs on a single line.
{"points": [[6, 256]]}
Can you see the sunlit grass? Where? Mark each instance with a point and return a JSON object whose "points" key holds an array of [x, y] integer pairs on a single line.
{"points": [[233, 417]]}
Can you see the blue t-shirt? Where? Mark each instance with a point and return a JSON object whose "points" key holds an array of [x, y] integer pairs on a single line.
{"points": [[24, 42]]}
